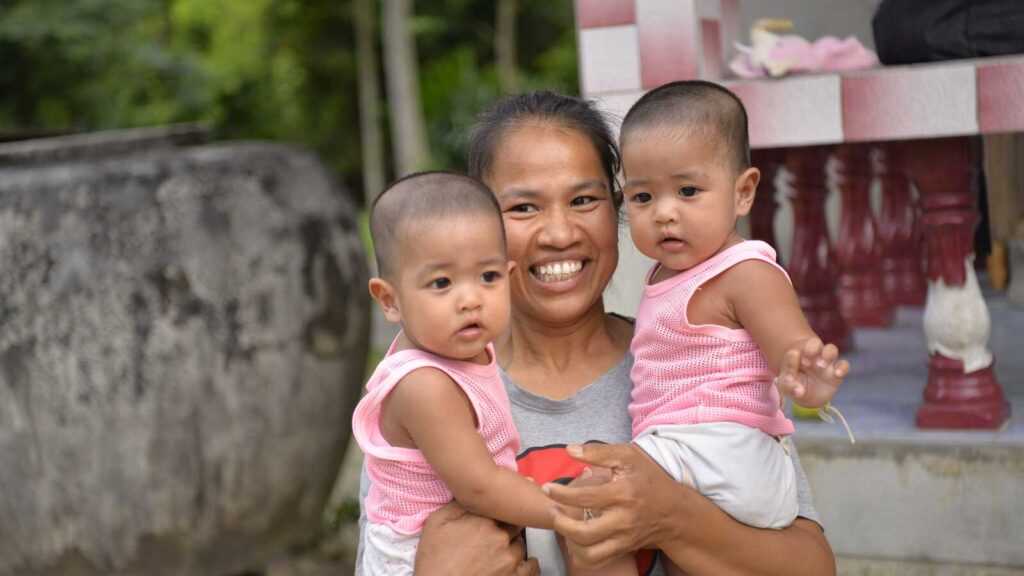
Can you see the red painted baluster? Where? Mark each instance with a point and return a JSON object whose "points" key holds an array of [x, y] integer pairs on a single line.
{"points": [[899, 231], [812, 264], [762, 213], [962, 390], [861, 298]]}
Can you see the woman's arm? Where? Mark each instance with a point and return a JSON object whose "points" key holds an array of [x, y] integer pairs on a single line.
{"points": [[457, 542], [643, 507]]}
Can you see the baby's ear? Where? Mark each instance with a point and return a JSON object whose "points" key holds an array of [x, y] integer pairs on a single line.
{"points": [[746, 189], [387, 298], [511, 266]]}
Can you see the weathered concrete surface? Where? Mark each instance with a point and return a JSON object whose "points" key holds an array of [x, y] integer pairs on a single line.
{"points": [[930, 502], [182, 340]]}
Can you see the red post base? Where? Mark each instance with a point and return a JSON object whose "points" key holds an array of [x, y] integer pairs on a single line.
{"points": [[822, 311], [903, 281], [953, 399], [862, 301]]}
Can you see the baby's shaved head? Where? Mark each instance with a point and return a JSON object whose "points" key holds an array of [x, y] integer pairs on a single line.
{"points": [[693, 108], [418, 199]]}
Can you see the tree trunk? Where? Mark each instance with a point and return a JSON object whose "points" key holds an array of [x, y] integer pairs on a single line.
{"points": [[408, 131], [369, 101], [505, 45]]}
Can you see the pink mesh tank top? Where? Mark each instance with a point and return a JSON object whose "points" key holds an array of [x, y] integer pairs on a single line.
{"points": [[686, 374], [404, 490]]}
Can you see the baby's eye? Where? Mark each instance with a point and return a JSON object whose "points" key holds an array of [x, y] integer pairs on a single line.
{"points": [[490, 276], [641, 197], [688, 191], [440, 283]]}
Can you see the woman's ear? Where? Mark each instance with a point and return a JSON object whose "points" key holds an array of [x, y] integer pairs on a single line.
{"points": [[746, 189], [387, 298]]}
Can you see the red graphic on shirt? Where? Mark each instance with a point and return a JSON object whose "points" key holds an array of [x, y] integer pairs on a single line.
{"points": [[553, 464]]}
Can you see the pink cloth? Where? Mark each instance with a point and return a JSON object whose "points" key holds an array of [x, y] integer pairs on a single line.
{"points": [[404, 490], [826, 54], [686, 374]]}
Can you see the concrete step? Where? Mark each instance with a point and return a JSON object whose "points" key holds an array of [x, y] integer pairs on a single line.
{"points": [[874, 567], [902, 494]]}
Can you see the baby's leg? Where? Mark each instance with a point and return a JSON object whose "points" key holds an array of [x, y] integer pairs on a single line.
{"points": [[387, 553], [745, 472]]}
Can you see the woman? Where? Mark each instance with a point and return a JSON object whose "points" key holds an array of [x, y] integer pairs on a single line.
{"points": [[551, 162]]}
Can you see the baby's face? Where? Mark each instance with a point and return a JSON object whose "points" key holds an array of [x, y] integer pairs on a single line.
{"points": [[453, 287], [682, 197]]}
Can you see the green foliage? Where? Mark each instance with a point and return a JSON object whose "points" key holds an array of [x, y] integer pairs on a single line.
{"points": [[266, 69]]}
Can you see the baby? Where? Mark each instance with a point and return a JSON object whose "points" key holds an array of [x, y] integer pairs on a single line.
{"points": [[436, 422], [719, 318]]}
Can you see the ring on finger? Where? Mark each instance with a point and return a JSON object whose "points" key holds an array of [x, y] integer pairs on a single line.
{"points": [[588, 514]]}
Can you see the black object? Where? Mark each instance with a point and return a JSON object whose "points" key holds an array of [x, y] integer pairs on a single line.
{"points": [[909, 31]]}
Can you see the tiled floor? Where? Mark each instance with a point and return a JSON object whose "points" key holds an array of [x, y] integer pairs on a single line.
{"points": [[882, 393]]}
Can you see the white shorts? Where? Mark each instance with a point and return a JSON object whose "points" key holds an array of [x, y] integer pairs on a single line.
{"points": [[388, 553], [746, 472]]}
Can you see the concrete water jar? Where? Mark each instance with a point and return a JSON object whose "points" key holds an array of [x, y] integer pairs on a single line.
{"points": [[183, 331]]}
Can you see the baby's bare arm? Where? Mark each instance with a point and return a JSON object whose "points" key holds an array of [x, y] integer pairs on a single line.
{"points": [[440, 421], [766, 306]]}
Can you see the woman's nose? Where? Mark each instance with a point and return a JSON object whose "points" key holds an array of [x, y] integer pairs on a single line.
{"points": [[557, 231]]}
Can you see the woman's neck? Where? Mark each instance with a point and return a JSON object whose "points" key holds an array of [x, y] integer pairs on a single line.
{"points": [[556, 361]]}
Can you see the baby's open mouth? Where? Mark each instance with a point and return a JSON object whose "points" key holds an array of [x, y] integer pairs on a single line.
{"points": [[557, 271]]}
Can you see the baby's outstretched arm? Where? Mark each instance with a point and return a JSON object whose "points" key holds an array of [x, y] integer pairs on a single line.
{"points": [[766, 305], [811, 372], [439, 420]]}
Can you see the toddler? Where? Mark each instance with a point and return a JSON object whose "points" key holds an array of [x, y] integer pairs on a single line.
{"points": [[435, 422], [718, 319]]}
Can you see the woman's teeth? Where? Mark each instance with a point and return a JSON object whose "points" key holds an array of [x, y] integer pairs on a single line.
{"points": [[558, 271]]}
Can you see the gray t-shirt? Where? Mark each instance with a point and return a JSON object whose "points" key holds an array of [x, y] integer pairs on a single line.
{"points": [[597, 413]]}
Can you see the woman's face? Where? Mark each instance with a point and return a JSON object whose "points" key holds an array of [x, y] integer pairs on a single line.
{"points": [[560, 220]]}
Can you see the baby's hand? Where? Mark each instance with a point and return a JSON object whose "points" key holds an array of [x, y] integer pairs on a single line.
{"points": [[810, 374]]}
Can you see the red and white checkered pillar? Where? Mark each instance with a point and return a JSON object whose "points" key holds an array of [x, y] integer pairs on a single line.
{"points": [[631, 46], [962, 391], [861, 297]]}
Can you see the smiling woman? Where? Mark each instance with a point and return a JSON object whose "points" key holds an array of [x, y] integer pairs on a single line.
{"points": [[560, 220]]}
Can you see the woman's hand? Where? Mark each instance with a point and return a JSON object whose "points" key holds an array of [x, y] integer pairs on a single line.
{"points": [[637, 508], [643, 507], [457, 542]]}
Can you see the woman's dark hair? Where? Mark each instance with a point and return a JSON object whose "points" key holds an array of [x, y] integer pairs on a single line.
{"points": [[543, 106]]}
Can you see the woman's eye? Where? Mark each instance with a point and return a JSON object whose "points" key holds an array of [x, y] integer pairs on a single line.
{"points": [[440, 283], [582, 200], [490, 276], [641, 197], [523, 208], [688, 191]]}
